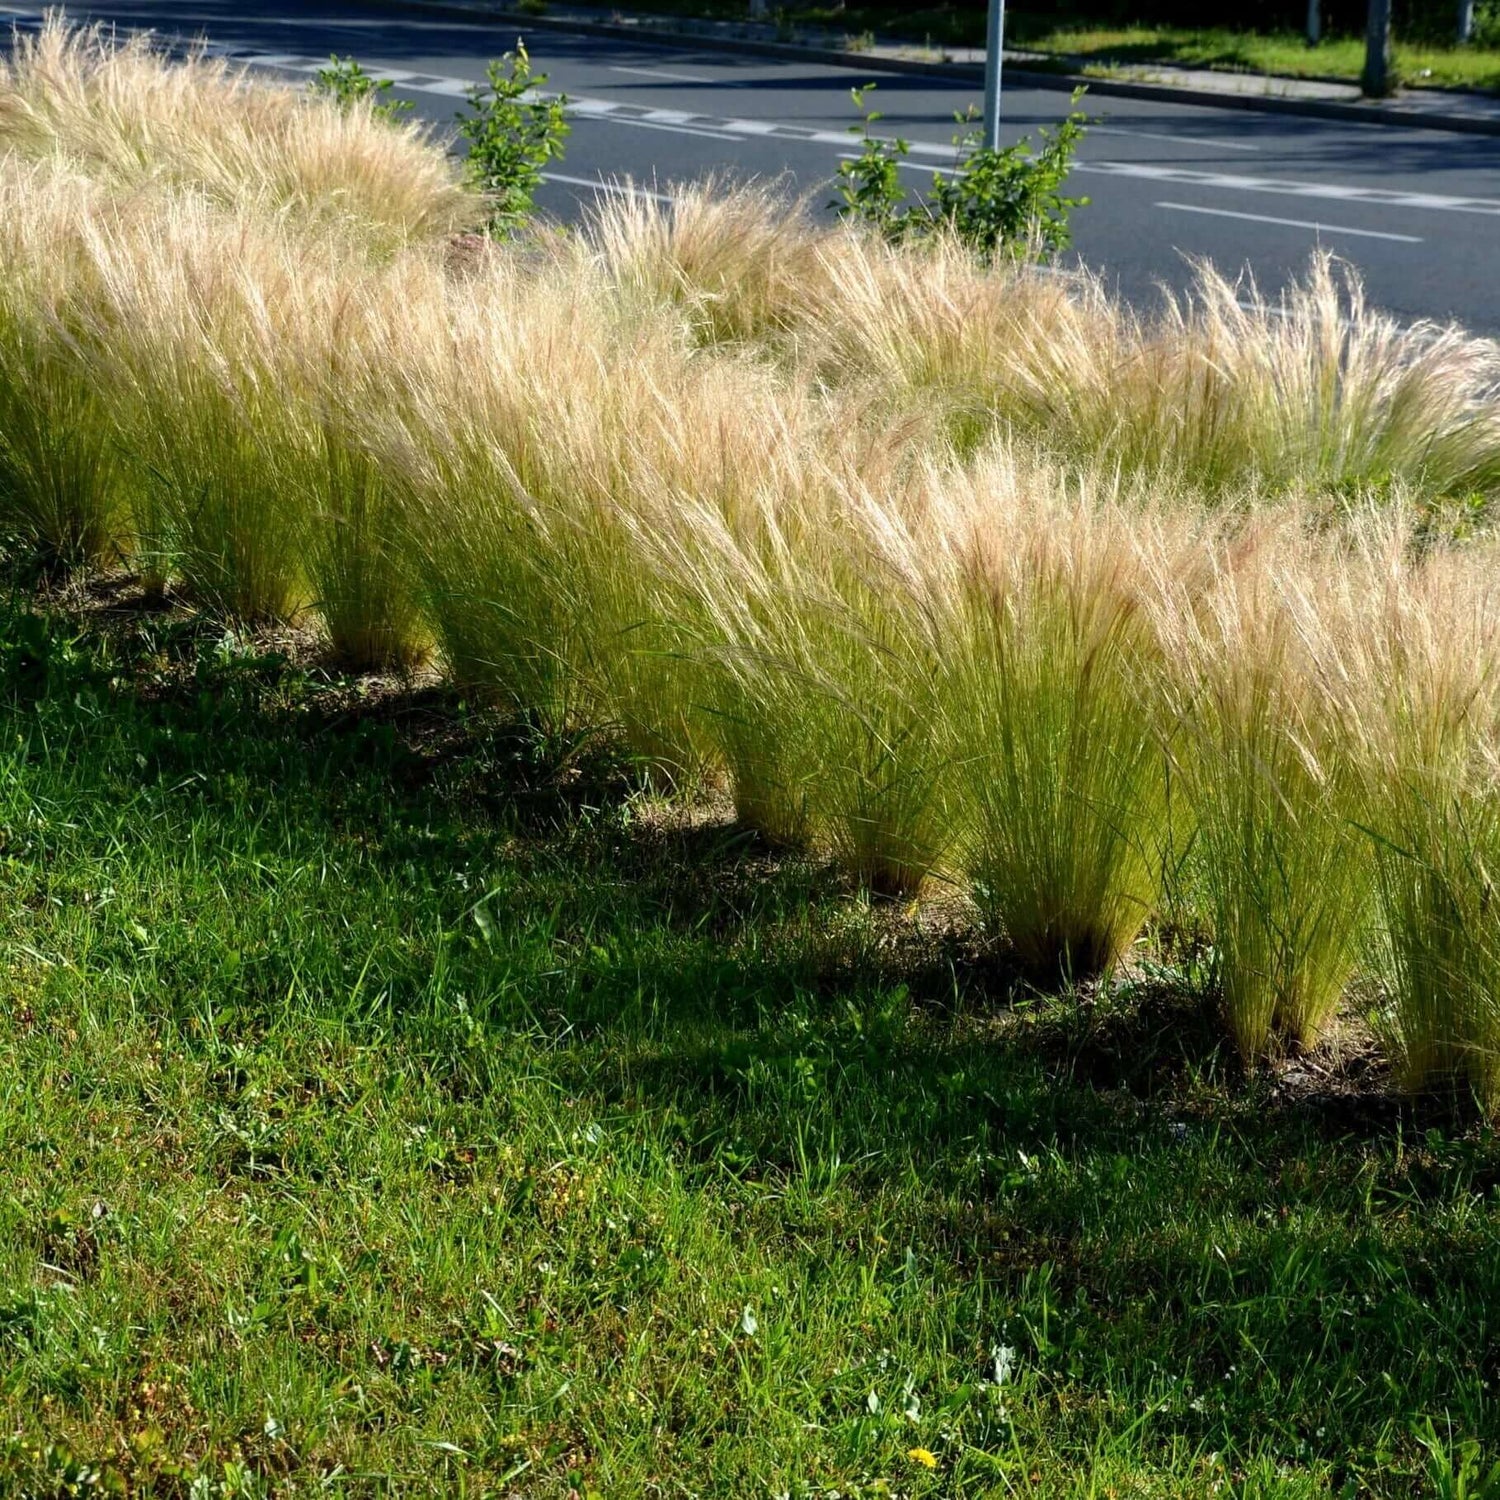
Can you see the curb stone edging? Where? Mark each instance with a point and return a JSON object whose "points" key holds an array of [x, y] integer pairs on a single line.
{"points": [[1164, 93]]}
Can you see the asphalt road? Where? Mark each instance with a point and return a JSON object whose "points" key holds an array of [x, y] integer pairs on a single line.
{"points": [[1417, 211]]}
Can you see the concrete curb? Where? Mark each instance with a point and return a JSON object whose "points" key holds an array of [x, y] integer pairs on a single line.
{"points": [[1162, 93]]}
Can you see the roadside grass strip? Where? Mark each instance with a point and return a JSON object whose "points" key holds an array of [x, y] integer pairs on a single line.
{"points": [[710, 856]]}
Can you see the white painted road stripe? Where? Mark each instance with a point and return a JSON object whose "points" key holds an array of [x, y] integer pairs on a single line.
{"points": [[603, 185], [1342, 193], [1229, 213], [707, 135], [1176, 140], [662, 73]]}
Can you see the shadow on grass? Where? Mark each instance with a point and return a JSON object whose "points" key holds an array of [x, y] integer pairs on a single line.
{"points": [[1307, 1263], [676, 919], [676, 922]]}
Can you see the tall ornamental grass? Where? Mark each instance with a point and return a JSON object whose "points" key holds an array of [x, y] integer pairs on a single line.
{"points": [[707, 456], [1060, 778], [1270, 781], [60, 493], [1425, 702], [134, 119], [874, 644], [942, 569], [815, 651], [359, 578], [730, 262], [1315, 390], [1223, 390], [352, 505], [507, 435], [190, 316]]}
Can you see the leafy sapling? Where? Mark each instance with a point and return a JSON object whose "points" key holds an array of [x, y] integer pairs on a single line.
{"points": [[1006, 200], [346, 83], [1011, 198], [513, 132], [869, 186]]}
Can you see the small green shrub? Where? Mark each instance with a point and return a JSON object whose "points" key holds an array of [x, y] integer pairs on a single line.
{"points": [[869, 188], [1008, 199], [512, 134], [346, 83], [1011, 198]]}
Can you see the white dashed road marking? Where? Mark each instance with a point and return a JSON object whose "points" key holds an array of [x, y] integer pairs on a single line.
{"points": [[1229, 213], [1338, 192], [604, 185], [1176, 140], [662, 73]]}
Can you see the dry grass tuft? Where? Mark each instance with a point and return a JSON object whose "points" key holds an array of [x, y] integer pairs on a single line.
{"points": [[132, 118], [1269, 778], [1059, 773], [1423, 704], [60, 495]]}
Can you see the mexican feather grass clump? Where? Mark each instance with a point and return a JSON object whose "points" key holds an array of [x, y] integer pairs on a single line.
{"points": [[133, 118], [1061, 777], [1270, 780], [818, 650], [1226, 389], [59, 469], [1426, 711], [948, 572], [191, 378]]}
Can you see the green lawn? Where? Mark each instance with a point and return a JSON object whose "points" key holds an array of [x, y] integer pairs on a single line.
{"points": [[1284, 55], [1110, 49], [395, 1104]]}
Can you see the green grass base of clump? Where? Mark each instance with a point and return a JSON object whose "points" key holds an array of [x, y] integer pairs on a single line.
{"points": [[392, 1109]]}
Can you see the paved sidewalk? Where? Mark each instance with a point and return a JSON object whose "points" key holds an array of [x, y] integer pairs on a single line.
{"points": [[1434, 109]]}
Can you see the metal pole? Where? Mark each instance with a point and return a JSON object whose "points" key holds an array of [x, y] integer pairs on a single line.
{"points": [[1314, 22], [1376, 83], [994, 45], [1466, 20]]}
